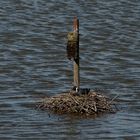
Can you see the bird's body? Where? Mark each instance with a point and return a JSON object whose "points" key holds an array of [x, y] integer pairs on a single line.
{"points": [[81, 91], [84, 91]]}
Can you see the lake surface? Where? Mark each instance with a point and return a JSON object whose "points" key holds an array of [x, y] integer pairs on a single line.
{"points": [[33, 65]]}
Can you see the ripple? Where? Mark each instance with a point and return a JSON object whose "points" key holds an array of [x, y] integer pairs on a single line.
{"points": [[33, 65]]}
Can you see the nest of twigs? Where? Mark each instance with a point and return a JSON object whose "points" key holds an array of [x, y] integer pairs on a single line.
{"points": [[90, 104]]}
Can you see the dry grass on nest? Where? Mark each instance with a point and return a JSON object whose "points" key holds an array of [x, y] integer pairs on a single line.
{"points": [[66, 103]]}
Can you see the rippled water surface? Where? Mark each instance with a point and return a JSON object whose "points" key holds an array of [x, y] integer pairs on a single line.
{"points": [[33, 64]]}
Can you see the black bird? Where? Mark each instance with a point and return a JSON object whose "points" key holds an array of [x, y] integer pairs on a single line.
{"points": [[84, 91], [81, 91]]}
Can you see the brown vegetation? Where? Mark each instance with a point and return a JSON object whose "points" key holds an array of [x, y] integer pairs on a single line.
{"points": [[68, 103]]}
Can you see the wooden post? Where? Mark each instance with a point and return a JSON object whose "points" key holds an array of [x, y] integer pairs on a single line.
{"points": [[73, 51], [76, 60]]}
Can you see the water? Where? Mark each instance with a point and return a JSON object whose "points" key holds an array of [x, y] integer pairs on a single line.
{"points": [[33, 64]]}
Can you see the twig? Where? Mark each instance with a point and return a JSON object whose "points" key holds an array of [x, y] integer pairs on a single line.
{"points": [[74, 99], [113, 99]]}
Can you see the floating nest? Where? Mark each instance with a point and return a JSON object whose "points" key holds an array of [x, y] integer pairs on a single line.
{"points": [[67, 103]]}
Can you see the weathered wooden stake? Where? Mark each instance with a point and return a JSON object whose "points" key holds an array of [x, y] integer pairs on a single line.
{"points": [[73, 50], [76, 60]]}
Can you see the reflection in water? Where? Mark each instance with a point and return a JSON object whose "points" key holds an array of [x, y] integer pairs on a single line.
{"points": [[33, 64]]}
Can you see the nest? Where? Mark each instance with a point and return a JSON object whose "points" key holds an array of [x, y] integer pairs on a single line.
{"points": [[66, 103]]}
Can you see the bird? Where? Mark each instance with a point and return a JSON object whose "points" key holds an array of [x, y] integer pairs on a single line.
{"points": [[84, 91], [81, 91], [73, 91]]}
